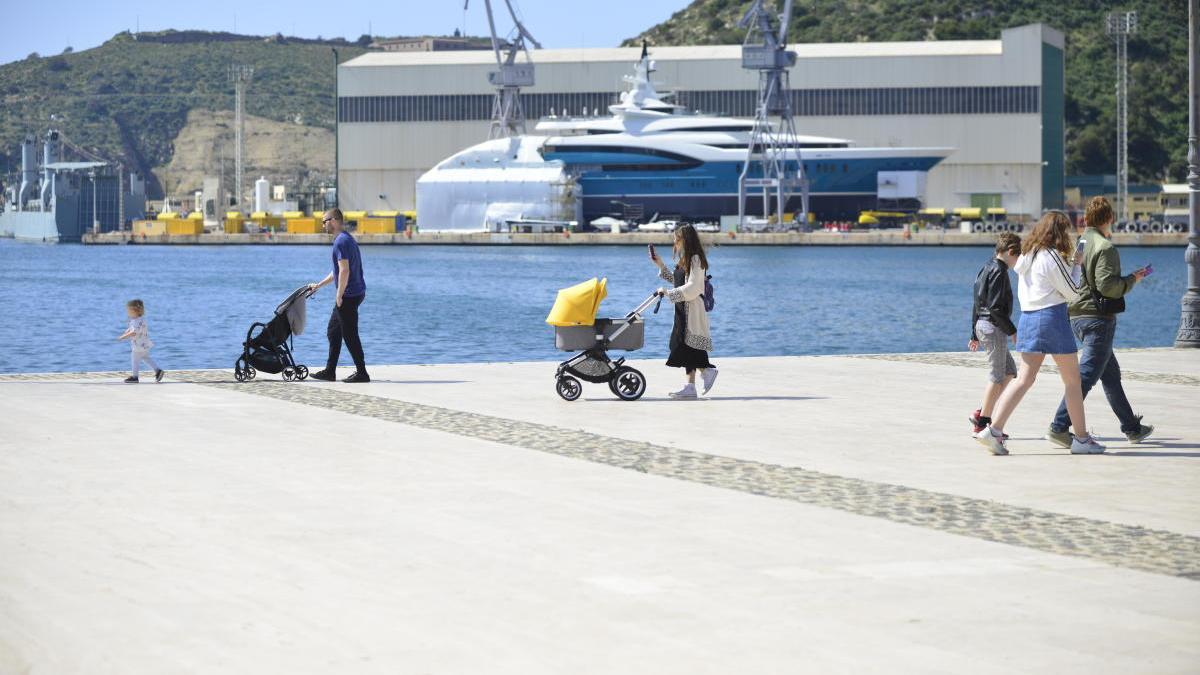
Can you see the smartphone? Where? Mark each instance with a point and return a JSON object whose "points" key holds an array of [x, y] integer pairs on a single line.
{"points": [[1148, 269], [1079, 246], [653, 255]]}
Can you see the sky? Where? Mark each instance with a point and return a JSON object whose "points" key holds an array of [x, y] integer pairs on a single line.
{"points": [[80, 24]]}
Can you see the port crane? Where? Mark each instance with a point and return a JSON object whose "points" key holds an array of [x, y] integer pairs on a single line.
{"points": [[508, 115], [776, 150]]}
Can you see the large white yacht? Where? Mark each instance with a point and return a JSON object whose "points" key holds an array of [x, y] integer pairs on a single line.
{"points": [[648, 155]]}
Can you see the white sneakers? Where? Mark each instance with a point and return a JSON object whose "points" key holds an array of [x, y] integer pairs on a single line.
{"points": [[992, 440], [1086, 446], [688, 392], [709, 376]]}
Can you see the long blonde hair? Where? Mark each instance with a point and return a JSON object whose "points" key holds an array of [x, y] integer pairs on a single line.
{"points": [[1052, 232]]}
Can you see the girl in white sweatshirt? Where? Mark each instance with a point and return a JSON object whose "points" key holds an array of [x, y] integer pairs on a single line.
{"points": [[1046, 285]]}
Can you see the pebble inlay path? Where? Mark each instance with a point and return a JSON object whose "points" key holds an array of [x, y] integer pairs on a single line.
{"points": [[1127, 546]]}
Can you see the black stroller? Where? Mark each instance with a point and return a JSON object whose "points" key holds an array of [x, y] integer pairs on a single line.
{"points": [[271, 349], [592, 363]]}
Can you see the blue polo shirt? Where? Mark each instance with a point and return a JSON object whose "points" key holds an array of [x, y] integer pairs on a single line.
{"points": [[346, 248]]}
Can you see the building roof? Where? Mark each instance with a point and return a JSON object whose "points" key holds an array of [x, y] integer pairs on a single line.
{"points": [[698, 53]]}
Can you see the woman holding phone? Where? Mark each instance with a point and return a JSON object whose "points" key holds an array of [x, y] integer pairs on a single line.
{"points": [[690, 338]]}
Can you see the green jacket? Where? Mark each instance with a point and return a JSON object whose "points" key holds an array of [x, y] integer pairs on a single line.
{"points": [[1102, 271]]}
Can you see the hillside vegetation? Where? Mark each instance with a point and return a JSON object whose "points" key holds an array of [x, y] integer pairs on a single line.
{"points": [[130, 97], [1158, 58]]}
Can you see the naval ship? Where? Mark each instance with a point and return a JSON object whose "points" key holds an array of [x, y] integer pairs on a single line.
{"points": [[60, 200]]}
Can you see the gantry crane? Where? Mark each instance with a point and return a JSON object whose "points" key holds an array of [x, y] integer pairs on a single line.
{"points": [[508, 115], [776, 150]]}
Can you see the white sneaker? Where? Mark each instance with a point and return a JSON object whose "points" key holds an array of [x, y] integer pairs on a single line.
{"points": [[1086, 446], [709, 375], [991, 440], [688, 392]]}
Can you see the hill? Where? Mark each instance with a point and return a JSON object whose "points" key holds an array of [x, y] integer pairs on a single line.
{"points": [[130, 97], [1158, 60]]}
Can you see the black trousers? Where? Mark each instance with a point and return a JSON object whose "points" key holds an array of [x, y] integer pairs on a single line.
{"points": [[343, 325]]}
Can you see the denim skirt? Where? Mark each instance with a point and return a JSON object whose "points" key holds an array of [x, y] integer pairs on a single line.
{"points": [[1045, 331]]}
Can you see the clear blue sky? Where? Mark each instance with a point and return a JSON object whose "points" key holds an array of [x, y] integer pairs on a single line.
{"points": [[48, 28]]}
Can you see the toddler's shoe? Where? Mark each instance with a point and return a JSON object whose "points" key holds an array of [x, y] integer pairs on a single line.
{"points": [[158, 375], [131, 380]]}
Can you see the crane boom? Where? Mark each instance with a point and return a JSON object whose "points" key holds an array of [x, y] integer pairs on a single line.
{"points": [[508, 115]]}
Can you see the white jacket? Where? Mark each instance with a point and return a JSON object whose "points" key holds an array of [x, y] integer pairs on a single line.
{"points": [[1044, 280], [696, 334]]}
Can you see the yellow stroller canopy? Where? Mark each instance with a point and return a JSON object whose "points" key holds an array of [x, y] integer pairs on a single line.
{"points": [[577, 305]]}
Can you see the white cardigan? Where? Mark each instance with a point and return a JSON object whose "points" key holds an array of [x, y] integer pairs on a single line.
{"points": [[696, 333], [1044, 280]]}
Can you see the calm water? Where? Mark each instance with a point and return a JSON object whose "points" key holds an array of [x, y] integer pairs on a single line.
{"points": [[64, 305]]}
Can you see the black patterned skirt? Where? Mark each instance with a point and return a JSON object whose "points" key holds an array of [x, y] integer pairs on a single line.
{"points": [[683, 356]]}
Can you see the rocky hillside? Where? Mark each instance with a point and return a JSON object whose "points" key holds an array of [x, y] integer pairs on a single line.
{"points": [[130, 98], [1158, 56]]}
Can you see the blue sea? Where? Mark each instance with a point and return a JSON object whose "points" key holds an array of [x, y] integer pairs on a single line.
{"points": [[63, 306]]}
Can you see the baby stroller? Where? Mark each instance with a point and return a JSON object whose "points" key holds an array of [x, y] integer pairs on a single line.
{"points": [[271, 349], [577, 328]]}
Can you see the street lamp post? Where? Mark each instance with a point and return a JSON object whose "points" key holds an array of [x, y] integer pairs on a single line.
{"points": [[337, 118], [95, 215], [1189, 321]]}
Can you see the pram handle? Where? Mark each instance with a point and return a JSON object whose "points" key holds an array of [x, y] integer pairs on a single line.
{"points": [[645, 305]]}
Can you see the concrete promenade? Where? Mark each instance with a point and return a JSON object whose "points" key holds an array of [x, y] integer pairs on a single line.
{"points": [[813, 515], [872, 238]]}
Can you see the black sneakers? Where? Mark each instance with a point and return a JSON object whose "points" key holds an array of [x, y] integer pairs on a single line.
{"points": [[158, 375], [360, 376], [131, 380], [325, 374]]}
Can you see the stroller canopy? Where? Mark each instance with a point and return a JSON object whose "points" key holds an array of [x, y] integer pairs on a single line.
{"points": [[577, 305]]}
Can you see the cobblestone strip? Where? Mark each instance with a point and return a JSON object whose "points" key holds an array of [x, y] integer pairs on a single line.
{"points": [[1125, 546], [966, 361]]}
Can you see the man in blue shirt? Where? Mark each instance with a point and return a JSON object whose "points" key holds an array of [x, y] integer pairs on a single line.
{"points": [[351, 291]]}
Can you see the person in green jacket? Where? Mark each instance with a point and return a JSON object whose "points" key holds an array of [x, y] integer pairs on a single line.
{"points": [[1095, 329]]}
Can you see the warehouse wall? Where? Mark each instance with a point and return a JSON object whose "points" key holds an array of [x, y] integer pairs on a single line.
{"points": [[994, 153]]}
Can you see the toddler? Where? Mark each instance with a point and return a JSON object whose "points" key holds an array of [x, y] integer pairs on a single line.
{"points": [[139, 340]]}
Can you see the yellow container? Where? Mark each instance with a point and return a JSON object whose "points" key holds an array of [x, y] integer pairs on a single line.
{"points": [[266, 220], [377, 226], [188, 226], [306, 225], [167, 215], [149, 228], [353, 215], [235, 223]]}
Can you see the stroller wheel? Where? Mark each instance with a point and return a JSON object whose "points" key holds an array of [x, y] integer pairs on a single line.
{"points": [[627, 383], [569, 388], [301, 372], [289, 374], [250, 372], [239, 374]]}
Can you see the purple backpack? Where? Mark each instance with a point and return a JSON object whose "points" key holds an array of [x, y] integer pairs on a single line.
{"points": [[710, 300]]}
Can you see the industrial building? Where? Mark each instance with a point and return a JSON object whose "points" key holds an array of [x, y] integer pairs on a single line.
{"points": [[998, 103]]}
